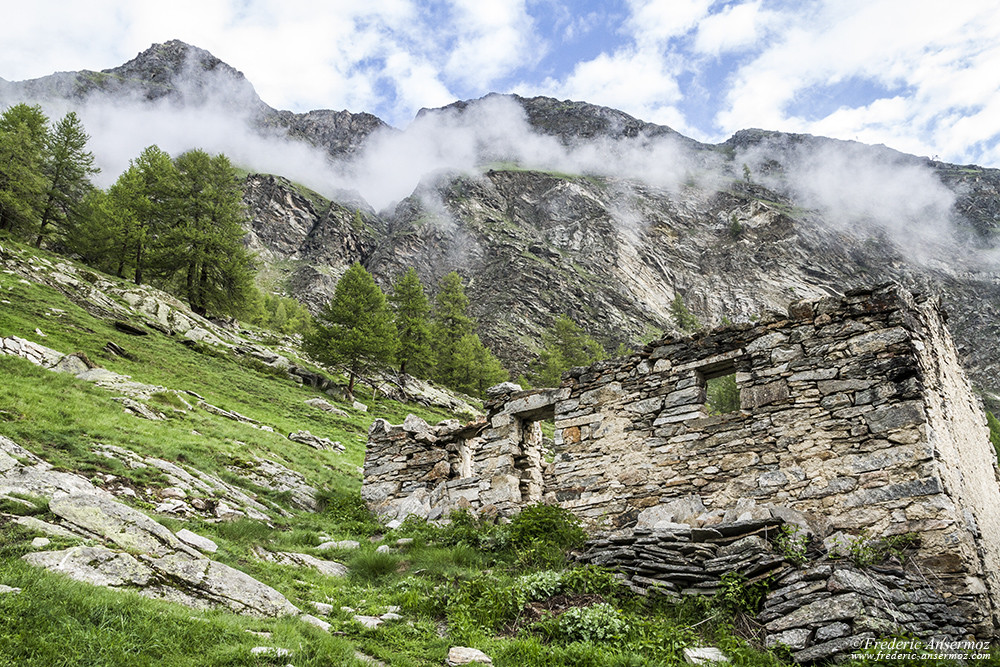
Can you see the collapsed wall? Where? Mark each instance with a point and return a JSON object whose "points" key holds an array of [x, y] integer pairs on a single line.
{"points": [[855, 420]]}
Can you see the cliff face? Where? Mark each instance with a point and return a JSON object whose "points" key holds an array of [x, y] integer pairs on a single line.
{"points": [[613, 253]]}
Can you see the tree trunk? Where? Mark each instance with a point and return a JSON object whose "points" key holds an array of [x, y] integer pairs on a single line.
{"points": [[138, 263], [350, 386]]}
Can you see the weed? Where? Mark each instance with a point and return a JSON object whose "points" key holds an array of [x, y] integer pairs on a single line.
{"points": [[371, 566], [793, 543]]}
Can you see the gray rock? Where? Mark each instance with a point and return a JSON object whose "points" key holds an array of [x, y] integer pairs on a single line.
{"points": [[370, 622], [9, 590], [836, 608], [677, 511], [346, 545], [40, 526], [414, 424], [316, 442], [796, 639], [271, 652], [832, 631], [117, 523], [502, 389], [703, 655], [312, 620], [358, 405], [222, 586], [322, 608], [200, 543], [40, 542], [463, 655], [327, 567]]}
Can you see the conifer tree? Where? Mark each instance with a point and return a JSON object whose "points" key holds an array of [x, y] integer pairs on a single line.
{"points": [[565, 345], [203, 243], [411, 309], [476, 369], [450, 322], [68, 166], [147, 193], [23, 132], [355, 328], [463, 362]]}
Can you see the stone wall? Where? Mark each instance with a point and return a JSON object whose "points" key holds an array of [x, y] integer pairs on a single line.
{"points": [[855, 421]]}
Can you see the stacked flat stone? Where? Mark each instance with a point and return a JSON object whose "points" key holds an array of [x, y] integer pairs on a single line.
{"points": [[685, 560]]}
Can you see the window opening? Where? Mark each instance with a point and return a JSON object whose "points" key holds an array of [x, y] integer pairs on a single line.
{"points": [[722, 396]]}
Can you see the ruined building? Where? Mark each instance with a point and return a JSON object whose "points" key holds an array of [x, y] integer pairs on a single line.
{"points": [[856, 428]]}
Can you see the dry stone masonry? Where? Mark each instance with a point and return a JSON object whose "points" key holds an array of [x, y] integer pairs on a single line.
{"points": [[856, 428]]}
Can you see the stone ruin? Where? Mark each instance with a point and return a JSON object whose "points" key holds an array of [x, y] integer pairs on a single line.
{"points": [[856, 429]]}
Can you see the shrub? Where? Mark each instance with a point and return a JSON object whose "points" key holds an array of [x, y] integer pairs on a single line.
{"points": [[349, 510], [597, 623], [548, 525]]}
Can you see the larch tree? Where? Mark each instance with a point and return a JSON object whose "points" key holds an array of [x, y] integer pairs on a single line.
{"points": [[463, 362], [68, 166], [355, 328], [203, 243], [411, 308], [565, 345], [23, 133]]}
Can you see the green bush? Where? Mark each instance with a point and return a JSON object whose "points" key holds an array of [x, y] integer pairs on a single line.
{"points": [[347, 509], [545, 525], [597, 623]]}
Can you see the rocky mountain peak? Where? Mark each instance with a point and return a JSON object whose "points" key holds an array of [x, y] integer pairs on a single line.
{"points": [[163, 62], [571, 120]]}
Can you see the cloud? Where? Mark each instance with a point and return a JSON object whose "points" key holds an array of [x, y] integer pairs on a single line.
{"points": [[863, 190], [937, 67], [493, 39], [496, 130], [735, 28]]}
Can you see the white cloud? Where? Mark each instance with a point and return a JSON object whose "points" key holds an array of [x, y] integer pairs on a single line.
{"points": [[493, 39], [944, 59], [653, 23], [734, 28]]}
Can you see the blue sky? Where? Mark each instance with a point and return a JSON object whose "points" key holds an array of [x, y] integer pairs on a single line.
{"points": [[922, 76]]}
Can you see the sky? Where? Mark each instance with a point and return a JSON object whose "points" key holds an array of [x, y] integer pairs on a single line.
{"points": [[921, 76]]}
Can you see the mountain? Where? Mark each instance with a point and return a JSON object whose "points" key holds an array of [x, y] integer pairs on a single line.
{"points": [[181, 75], [572, 207]]}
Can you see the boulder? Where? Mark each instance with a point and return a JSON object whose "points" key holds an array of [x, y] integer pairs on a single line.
{"points": [[326, 406], [463, 655], [119, 524], [680, 510], [704, 655], [197, 541], [316, 442]]}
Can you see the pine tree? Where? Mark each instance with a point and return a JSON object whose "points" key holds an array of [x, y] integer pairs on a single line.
{"points": [[148, 197], [450, 322], [355, 328], [68, 166], [565, 345], [411, 309], [23, 133], [203, 243], [463, 362]]}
